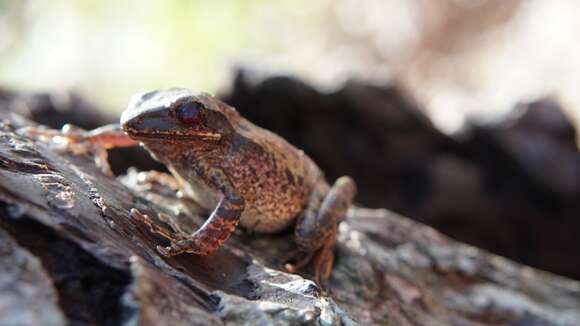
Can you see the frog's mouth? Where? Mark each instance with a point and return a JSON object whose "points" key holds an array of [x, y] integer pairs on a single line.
{"points": [[160, 135]]}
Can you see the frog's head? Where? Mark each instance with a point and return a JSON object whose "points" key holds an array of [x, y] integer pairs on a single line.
{"points": [[176, 115]]}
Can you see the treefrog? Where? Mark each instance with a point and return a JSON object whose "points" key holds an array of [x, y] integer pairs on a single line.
{"points": [[244, 174]]}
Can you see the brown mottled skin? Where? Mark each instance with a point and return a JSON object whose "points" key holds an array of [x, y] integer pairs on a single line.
{"points": [[244, 173]]}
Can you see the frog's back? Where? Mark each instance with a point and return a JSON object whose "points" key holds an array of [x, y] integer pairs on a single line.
{"points": [[274, 177]]}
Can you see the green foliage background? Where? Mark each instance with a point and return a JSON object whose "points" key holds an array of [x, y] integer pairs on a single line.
{"points": [[108, 50]]}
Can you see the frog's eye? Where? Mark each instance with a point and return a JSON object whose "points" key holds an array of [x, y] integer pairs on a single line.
{"points": [[188, 113]]}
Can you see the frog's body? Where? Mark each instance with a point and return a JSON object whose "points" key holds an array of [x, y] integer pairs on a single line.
{"points": [[242, 172], [274, 178], [274, 194]]}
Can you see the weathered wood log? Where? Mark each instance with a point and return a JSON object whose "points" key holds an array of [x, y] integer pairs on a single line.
{"points": [[69, 247]]}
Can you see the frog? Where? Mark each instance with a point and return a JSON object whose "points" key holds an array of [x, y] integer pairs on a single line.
{"points": [[243, 174]]}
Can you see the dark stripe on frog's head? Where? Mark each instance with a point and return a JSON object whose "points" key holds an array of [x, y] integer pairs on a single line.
{"points": [[155, 115]]}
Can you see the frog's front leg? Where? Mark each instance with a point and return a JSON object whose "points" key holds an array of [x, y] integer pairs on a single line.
{"points": [[316, 228], [219, 226]]}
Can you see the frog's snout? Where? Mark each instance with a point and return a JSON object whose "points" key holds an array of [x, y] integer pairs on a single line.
{"points": [[147, 120]]}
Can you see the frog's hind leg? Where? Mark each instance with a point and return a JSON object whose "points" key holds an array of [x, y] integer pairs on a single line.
{"points": [[79, 142], [316, 229]]}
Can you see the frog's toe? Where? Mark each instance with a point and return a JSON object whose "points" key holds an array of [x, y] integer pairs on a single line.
{"points": [[169, 251], [189, 245], [164, 251], [322, 266], [319, 262], [173, 250], [297, 260]]}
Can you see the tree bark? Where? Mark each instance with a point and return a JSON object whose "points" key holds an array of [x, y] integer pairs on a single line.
{"points": [[68, 246]]}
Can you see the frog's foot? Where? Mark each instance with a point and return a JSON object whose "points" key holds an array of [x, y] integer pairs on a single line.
{"points": [[189, 245], [160, 178], [180, 242], [297, 260], [199, 243], [172, 235], [206, 240], [316, 229], [320, 260]]}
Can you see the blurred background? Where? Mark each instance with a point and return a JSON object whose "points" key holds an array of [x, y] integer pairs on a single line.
{"points": [[457, 57], [460, 114]]}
